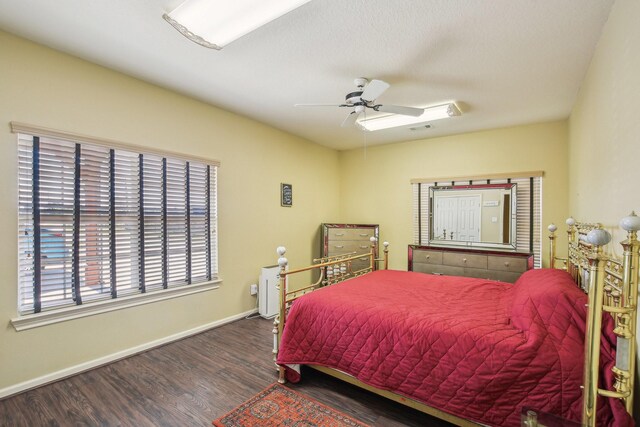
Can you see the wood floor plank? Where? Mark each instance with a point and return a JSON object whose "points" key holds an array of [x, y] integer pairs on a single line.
{"points": [[190, 383]]}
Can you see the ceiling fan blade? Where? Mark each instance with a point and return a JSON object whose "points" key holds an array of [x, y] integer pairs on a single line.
{"points": [[319, 105], [374, 89], [350, 120], [396, 109]]}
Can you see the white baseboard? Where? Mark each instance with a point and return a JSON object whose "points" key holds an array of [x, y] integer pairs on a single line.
{"points": [[82, 367]]}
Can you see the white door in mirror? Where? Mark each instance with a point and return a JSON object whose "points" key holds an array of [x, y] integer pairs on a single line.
{"points": [[457, 218]]}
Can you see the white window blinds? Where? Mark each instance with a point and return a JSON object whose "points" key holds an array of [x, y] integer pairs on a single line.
{"points": [[99, 223], [528, 212]]}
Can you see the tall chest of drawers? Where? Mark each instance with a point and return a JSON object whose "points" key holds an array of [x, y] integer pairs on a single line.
{"points": [[484, 264], [340, 239]]}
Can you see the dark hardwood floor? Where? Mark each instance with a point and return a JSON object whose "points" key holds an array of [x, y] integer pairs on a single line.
{"points": [[190, 383]]}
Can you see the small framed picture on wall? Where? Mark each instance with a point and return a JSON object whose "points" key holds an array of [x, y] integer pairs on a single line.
{"points": [[286, 195]]}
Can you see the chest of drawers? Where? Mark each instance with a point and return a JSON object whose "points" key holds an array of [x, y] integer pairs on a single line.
{"points": [[339, 239], [484, 264]]}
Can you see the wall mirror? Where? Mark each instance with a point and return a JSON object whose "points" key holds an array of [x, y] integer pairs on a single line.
{"points": [[473, 215]]}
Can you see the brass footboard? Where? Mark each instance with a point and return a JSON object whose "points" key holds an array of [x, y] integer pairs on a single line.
{"points": [[331, 270], [612, 285]]}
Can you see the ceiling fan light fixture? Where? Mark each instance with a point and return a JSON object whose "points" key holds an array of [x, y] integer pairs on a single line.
{"points": [[431, 113], [216, 23]]}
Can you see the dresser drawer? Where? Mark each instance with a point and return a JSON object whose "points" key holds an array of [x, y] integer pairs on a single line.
{"points": [[359, 264], [427, 256], [464, 260], [491, 265], [507, 263], [352, 239], [362, 234], [503, 276], [438, 269], [345, 246]]}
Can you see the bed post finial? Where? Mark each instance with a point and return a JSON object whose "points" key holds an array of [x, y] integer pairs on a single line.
{"points": [[281, 250], [631, 223], [282, 260], [598, 238], [552, 244]]}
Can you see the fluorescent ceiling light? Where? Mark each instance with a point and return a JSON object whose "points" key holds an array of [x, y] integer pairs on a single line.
{"points": [[216, 23], [431, 113]]}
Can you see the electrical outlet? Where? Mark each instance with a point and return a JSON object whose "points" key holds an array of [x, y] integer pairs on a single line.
{"points": [[253, 289]]}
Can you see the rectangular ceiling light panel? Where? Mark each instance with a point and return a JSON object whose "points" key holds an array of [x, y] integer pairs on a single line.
{"points": [[435, 112], [216, 23]]}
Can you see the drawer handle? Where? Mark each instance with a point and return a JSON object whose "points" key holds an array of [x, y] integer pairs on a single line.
{"points": [[506, 263], [338, 246], [363, 246], [464, 260], [364, 234], [339, 234], [428, 256]]}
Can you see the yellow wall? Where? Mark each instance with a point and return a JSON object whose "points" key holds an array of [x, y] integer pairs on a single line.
{"points": [[42, 87], [604, 129], [375, 186]]}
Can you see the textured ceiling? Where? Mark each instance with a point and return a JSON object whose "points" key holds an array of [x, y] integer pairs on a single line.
{"points": [[506, 62]]}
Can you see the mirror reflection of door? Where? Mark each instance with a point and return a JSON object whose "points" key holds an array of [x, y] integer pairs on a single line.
{"points": [[506, 216], [469, 218], [446, 217], [457, 218]]}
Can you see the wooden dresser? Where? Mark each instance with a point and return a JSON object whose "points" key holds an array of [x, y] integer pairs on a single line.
{"points": [[339, 239], [485, 264]]}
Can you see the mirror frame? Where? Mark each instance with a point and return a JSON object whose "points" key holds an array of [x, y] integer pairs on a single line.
{"points": [[511, 246]]}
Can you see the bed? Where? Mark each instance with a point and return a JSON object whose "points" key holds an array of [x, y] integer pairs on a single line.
{"points": [[502, 351]]}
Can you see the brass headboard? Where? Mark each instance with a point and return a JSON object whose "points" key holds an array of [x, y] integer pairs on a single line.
{"points": [[612, 285]]}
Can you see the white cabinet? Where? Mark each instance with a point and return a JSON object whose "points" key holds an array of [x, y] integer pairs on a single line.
{"points": [[268, 293]]}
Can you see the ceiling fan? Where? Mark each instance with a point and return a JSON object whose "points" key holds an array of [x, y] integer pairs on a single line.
{"points": [[365, 97]]}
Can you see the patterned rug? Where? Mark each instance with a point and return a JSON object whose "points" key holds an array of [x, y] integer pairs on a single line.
{"points": [[280, 406]]}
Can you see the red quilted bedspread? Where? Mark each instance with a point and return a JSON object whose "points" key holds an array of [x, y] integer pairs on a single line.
{"points": [[478, 349]]}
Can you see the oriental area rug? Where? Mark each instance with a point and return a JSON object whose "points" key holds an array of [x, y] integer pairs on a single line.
{"points": [[280, 406]]}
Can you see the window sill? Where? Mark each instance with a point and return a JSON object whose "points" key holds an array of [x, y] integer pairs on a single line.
{"points": [[31, 321]]}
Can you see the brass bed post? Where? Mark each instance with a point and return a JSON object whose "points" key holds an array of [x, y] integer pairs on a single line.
{"points": [[554, 259], [571, 236], [571, 241], [280, 319], [552, 245], [386, 255], [627, 325], [619, 280], [571, 231], [598, 238], [372, 253]]}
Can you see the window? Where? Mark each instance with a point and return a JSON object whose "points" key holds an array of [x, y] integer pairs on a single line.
{"points": [[528, 210], [100, 222]]}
